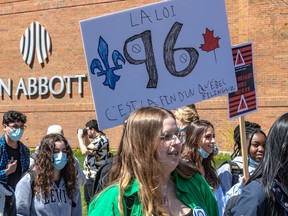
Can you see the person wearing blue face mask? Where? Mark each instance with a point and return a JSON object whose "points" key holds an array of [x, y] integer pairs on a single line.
{"points": [[14, 155], [199, 149], [232, 181], [50, 187], [59, 130], [60, 160]]}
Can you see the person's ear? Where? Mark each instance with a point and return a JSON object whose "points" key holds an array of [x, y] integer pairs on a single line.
{"points": [[5, 127]]}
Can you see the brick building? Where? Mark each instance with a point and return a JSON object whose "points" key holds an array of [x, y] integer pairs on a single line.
{"points": [[263, 22]]}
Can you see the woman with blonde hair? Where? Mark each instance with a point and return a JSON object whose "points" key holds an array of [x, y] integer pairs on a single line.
{"points": [[148, 177], [185, 115]]}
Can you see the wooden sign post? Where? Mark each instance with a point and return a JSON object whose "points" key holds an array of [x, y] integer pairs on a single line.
{"points": [[244, 150]]}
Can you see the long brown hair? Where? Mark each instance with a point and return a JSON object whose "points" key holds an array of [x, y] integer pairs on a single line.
{"points": [[190, 152], [137, 158], [43, 169]]}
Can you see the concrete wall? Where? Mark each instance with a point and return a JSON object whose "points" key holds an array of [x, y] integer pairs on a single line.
{"points": [[263, 22]]}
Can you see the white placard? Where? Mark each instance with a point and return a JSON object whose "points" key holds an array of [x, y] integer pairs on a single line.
{"points": [[169, 54]]}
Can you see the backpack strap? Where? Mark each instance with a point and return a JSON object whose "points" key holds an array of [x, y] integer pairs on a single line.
{"points": [[10, 201], [235, 171], [101, 178], [230, 205]]}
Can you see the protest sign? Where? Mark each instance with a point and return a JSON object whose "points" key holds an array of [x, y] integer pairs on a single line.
{"points": [[168, 54], [244, 100]]}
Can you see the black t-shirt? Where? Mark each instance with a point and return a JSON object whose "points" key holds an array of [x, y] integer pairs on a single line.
{"points": [[14, 154]]}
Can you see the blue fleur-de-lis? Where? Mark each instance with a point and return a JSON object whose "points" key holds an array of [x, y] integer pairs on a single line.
{"points": [[103, 50]]}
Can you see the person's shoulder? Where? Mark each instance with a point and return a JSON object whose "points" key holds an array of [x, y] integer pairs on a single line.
{"points": [[2, 141], [104, 200], [100, 136], [29, 175], [256, 188], [187, 184], [253, 193], [225, 166], [104, 136], [26, 179], [251, 201], [200, 180], [238, 160], [197, 176], [26, 148], [110, 191]]}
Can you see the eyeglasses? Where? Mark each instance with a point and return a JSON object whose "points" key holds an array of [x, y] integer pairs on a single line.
{"points": [[179, 135], [15, 126]]}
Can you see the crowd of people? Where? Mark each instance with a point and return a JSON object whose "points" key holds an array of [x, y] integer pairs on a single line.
{"points": [[163, 166], [48, 181]]}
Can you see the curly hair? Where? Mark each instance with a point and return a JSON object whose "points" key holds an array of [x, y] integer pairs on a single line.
{"points": [[195, 132], [251, 128], [43, 169]]}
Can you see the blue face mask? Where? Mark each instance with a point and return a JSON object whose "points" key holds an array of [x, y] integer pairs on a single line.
{"points": [[15, 135], [181, 128], [251, 161], [60, 160], [203, 153], [216, 150]]}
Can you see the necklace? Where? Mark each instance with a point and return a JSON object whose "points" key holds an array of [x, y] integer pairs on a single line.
{"points": [[165, 201], [165, 195]]}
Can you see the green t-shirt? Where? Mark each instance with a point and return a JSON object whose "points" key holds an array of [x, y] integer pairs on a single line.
{"points": [[193, 192]]}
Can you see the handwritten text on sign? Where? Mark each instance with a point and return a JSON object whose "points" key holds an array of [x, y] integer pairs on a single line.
{"points": [[167, 54]]}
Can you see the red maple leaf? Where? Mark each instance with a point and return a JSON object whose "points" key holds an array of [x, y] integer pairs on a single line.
{"points": [[210, 42]]}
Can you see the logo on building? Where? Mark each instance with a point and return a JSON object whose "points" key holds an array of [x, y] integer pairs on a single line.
{"points": [[35, 39]]}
